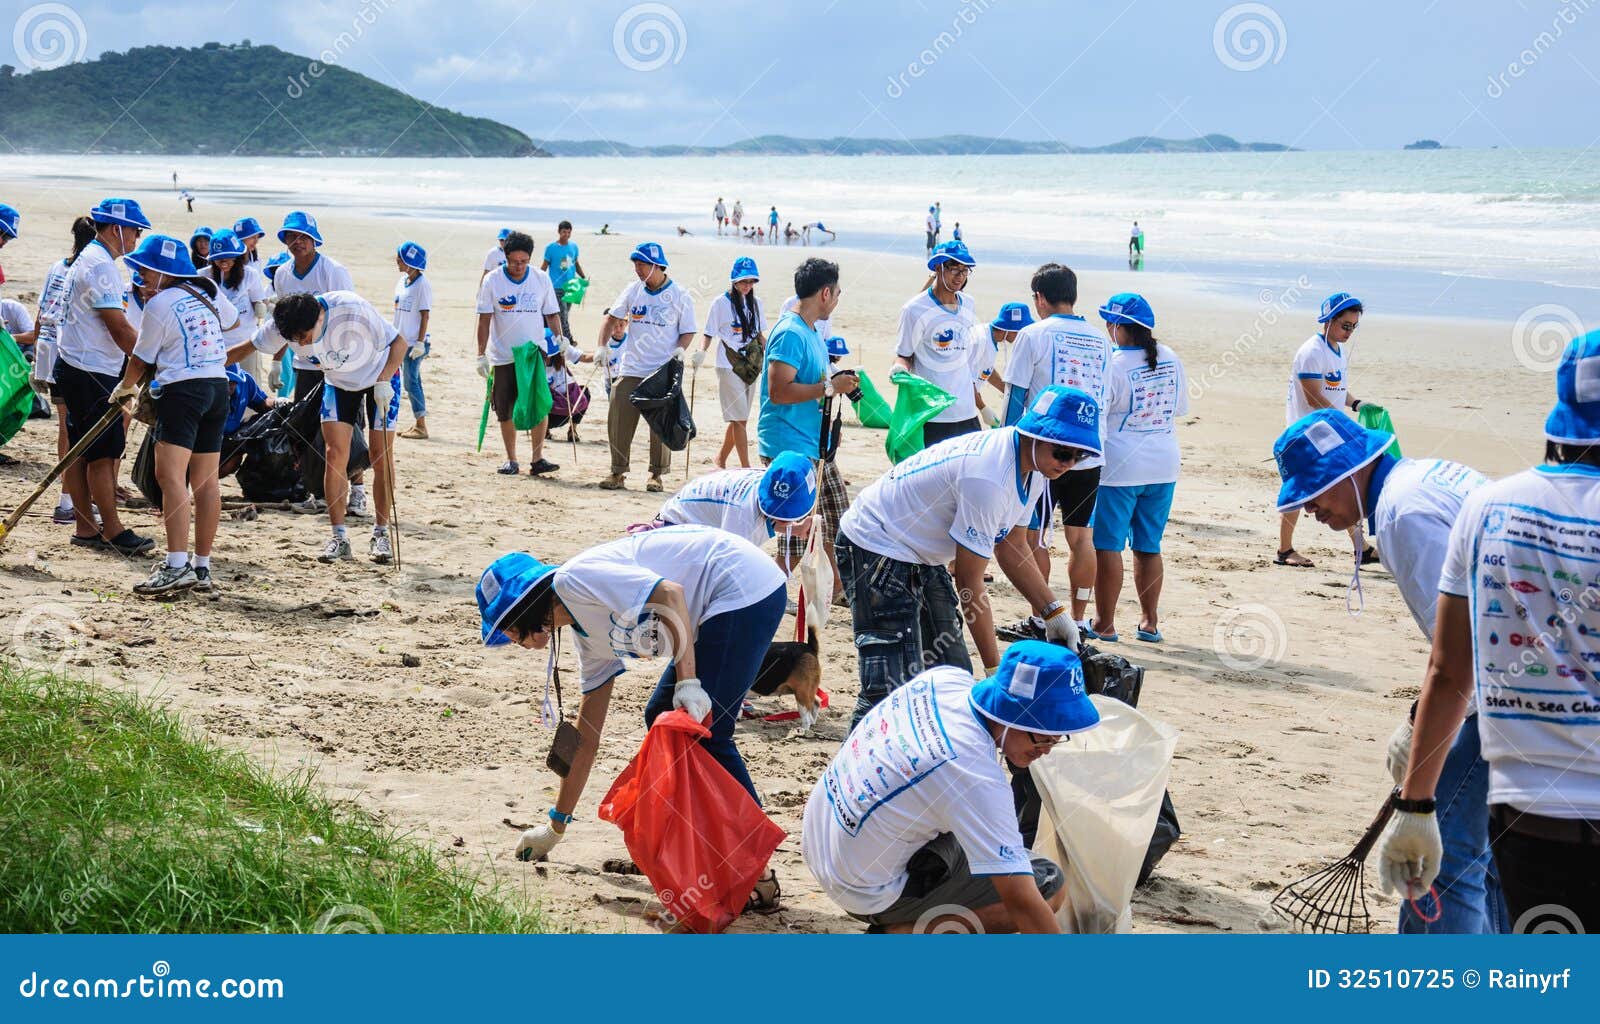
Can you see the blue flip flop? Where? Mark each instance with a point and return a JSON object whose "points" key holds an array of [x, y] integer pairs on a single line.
{"points": [[1149, 636], [1109, 638]]}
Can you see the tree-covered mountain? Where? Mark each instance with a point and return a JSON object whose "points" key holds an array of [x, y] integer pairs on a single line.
{"points": [[233, 100], [944, 145]]}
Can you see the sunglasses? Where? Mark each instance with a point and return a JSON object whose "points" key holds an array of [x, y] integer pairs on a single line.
{"points": [[1068, 455]]}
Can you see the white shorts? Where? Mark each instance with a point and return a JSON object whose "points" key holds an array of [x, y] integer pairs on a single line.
{"points": [[735, 394]]}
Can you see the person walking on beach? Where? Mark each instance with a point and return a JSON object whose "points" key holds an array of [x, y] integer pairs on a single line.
{"points": [[515, 305], [561, 263], [939, 342], [735, 322], [1319, 379], [413, 307], [659, 317], [772, 226], [1136, 240], [719, 213], [932, 231]]}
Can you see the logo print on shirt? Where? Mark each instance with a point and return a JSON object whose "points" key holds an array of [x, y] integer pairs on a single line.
{"points": [[1524, 587], [945, 337], [638, 312], [506, 302], [1333, 380]]}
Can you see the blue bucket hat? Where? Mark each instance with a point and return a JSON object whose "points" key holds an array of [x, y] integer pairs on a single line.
{"points": [[788, 488], [125, 212], [1335, 304], [1128, 308], [1320, 449], [413, 255], [1037, 688], [302, 222], [951, 252], [744, 269], [1063, 415], [508, 580], [9, 219], [274, 263], [648, 252], [504, 234], [1013, 316], [837, 349], [162, 254], [247, 228], [225, 245], [201, 232], [1576, 416]]}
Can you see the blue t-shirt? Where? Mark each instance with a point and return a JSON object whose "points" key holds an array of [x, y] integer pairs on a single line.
{"points": [[245, 394], [797, 427], [563, 260]]}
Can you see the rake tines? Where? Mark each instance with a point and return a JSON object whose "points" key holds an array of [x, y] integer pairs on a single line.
{"points": [[1333, 901]]}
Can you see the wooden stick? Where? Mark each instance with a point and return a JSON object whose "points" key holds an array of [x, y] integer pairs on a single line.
{"points": [[112, 414]]}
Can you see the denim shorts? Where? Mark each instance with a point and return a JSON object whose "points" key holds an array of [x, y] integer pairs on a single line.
{"points": [[1138, 512]]}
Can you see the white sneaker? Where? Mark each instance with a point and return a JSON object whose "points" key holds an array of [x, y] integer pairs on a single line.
{"points": [[167, 579], [310, 506], [357, 508], [336, 550], [379, 549]]}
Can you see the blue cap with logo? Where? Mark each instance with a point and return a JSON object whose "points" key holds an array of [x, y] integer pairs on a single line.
{"points": [[951, 252], [744, 269], [1037, 688], [247, 228], [1128, 308], [1335, 304], [1320, 449], [508, 580], [125, 212], [1576, 416], [649, 252], [1063, 415], [300, 222], [9, 219], [225, 245], [162, 254], [788, 488], [413, 255], [1013, 316], [837, 349]]}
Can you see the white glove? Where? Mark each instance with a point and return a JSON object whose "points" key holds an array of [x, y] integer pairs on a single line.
{"points": [[122, 393], [1400, 752], [484, 367], [689, 696], [994, 419], [698, 358], [383, 394], [1060, 629], [536, 843], [1408, 856]]}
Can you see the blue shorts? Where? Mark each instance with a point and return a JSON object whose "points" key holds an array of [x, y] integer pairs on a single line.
{"points": [[1140, 512], [357, 407]]}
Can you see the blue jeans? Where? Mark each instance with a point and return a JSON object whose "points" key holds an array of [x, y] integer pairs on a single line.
{"points": [[906, 617], [1470, 900], [411, 374], [727, 655]]}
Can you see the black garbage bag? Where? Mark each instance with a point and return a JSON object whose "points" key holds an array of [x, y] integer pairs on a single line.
{"points": [[660, 400], [304, 427], [271, 452], [1111, 674], [144, 470], [1167, 833]]}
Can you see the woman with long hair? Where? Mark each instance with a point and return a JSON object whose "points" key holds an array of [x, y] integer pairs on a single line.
{"points": [[244, 286], [200, 245], [734, 323]]}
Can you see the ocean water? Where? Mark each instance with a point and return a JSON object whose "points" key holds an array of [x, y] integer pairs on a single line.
{"points": [[1478, 233]]}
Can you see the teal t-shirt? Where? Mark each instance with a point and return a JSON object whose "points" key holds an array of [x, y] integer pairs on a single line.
{"points": [[797, 427], [563, 260]]}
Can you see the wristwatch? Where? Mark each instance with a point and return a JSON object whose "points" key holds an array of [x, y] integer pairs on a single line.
{"points": [[1400, 803]]}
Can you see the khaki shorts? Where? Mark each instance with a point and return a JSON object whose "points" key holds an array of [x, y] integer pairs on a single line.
{"points": [[735, 394]]}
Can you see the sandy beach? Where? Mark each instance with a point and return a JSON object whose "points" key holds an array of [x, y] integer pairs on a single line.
{"points": [[1283, 700]]}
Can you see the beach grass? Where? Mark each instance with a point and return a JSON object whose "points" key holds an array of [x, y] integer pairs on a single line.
{"points": [[114, 817]]}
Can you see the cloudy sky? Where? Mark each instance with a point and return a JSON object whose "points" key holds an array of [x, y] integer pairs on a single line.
{"points": [[1319, 75]]}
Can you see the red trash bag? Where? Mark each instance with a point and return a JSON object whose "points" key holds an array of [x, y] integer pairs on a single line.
{"points": [[694, 832]]}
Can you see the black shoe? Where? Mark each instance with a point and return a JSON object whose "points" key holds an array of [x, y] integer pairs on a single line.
{"points": [[1022, 629], [129, 543], [542, 467], [94, 541]]}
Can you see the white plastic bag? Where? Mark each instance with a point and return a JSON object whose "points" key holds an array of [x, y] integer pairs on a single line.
{"points": [[1099, 795], [816, 579]]}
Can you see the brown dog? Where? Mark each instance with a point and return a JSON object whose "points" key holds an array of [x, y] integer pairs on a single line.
{"points": [[792, 666]]}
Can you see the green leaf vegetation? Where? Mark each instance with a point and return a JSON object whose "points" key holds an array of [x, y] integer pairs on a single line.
{"points": [[113, 818], [233, 100]]}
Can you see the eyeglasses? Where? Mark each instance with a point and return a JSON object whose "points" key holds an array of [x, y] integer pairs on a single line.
{"points": [[1041, 741], [1067, 455]]}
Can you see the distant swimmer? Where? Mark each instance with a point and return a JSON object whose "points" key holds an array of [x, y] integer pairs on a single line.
{"points": [[816, 225], [789, 233], [605, 229], [683, 231]]}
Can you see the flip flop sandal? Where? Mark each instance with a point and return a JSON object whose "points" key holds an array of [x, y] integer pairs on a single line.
{"points": [[1370, 557], [1283, 559], [1149, 636], [1110, 638], [764, 899]]}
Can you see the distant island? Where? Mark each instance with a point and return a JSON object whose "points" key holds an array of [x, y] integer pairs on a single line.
{"points": [[944, 145], [1426, 144], [233, 100]]}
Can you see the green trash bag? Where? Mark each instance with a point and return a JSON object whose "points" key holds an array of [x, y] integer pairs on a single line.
{"points": [[872, 410], [483, 420], [16, 394], [917, 402], [533, 389], [573, 291], [1376, 417]]}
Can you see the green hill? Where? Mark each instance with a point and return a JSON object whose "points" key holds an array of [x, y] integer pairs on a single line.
{"points": [[233, 100]]}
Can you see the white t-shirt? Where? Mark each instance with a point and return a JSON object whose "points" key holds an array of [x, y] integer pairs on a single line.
{"points": [[326, 275], [94, 282], [560, 378], [1062, 349], [133, 308], [1141, 417], [253, 287], [1532, 542], [1317, 361], [965, 492], [727, 500], [945, 349], [353, 345], [411, 300], [495, 259], [654, 324], [723, 326], [14, 316], [519, 309], [52, 301], [607, 590], [1417, 505], [920, 764], [824, 328], [182, 337]]}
